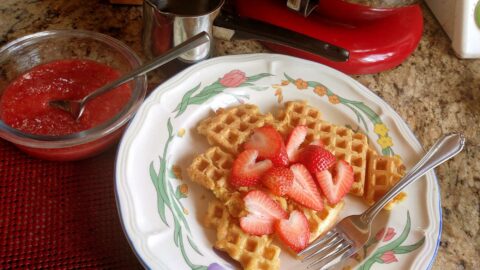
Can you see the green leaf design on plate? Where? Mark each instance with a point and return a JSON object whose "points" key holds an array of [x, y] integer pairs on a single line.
{"points": [[258, 77], [182, 106], [409, 248], [169, 199], [190, 98], [178, 208], [193, 245], [161, 210], [477, 14], [394, 246]]}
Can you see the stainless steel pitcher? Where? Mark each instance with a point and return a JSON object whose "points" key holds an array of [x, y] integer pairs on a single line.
{"points": [[168, 23]]}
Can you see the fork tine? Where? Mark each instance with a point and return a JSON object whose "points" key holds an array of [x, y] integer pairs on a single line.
{"points": [[326, 238], [326, 260], [331, 245]]}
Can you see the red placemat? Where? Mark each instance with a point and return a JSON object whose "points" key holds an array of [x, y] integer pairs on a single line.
{"points": [[60, 215]]}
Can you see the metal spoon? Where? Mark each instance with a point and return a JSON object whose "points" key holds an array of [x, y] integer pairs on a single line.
{"points": [[77, 107]]}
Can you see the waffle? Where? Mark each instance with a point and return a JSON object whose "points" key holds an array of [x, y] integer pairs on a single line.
{"points": [[382, 173], [296, 113], [231, 127], [341, 141], [212, 170], [319, 222], [253, 252]]}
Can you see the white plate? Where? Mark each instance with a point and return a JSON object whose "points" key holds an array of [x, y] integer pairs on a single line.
{"points": [[167, 233]]}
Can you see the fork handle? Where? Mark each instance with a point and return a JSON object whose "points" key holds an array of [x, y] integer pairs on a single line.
{"points": [[445, 148]]}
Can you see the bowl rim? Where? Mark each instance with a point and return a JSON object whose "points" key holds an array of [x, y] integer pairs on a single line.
{"points": [[61, 141]]}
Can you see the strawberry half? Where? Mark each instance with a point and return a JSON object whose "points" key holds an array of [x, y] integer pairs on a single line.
{"points": [[317, 142], [316, 158], [245, 171], [296, 138], [304, 190], [263, 211], [294, 231], [278, 180], [337, 187], [269, 144]]}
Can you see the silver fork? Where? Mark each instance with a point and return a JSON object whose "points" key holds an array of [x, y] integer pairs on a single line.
{"points": [[352, 232]]}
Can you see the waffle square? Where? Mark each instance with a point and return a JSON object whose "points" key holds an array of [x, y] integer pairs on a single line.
{"points": [[231, 127], [382, 173], [253, 252], [212, 170], [295, 113], [344, 143]]}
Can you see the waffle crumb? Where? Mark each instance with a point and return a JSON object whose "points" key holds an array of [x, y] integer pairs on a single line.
{"points": [[177, 171], [181, 132]]}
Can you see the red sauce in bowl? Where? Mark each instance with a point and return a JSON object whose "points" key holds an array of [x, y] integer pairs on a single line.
{"points": [[24, 103]]}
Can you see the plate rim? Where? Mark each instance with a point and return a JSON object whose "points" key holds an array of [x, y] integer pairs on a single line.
{"points": [[163, 88]]}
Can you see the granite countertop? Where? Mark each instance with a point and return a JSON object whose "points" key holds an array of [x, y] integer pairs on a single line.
{"points": [[432, 90]]}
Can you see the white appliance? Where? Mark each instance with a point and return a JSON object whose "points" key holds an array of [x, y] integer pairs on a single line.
{"points": [[461, 21]]}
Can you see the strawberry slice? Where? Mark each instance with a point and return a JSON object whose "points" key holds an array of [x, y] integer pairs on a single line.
{"points": [[247, 173], [296, 138], [304, 190], [263, 211], [278, 180], [316, 158], [269, 144], [337, 187], [294, 232], [317, 142]]}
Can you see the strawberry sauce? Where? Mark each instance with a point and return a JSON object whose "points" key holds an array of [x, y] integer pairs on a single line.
{"points": [[24, 103]]}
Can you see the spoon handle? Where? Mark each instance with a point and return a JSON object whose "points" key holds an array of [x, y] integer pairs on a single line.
{"points": [[445, 148], [168, 56]]}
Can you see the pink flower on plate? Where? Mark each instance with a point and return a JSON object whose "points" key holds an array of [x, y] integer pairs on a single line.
{"points": [[388, 257], [233, 78], [388, 235]]}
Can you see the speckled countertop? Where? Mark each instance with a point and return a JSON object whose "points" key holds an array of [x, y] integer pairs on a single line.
{"points": [[432, 90]]}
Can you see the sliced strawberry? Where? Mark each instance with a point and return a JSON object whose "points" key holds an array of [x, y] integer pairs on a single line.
{"points": [[269, 144], [317, 142], [337, 187], [304, 190], [278, 180], [316, 158], [263, 211], [294, 231], [247, 173], [296, 138]]}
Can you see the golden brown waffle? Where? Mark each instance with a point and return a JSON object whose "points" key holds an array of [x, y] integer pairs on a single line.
{"points": [[319, 221], [212, 170], [231, 127], [382, 173], [341, 141], [253, 252], [295, 113]]}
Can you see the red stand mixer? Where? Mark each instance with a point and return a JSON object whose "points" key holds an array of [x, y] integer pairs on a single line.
{"points": [[353, 36], [374, 35]]}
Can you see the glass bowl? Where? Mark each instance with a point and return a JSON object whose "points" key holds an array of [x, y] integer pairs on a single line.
{"points": [[21, 55]]}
